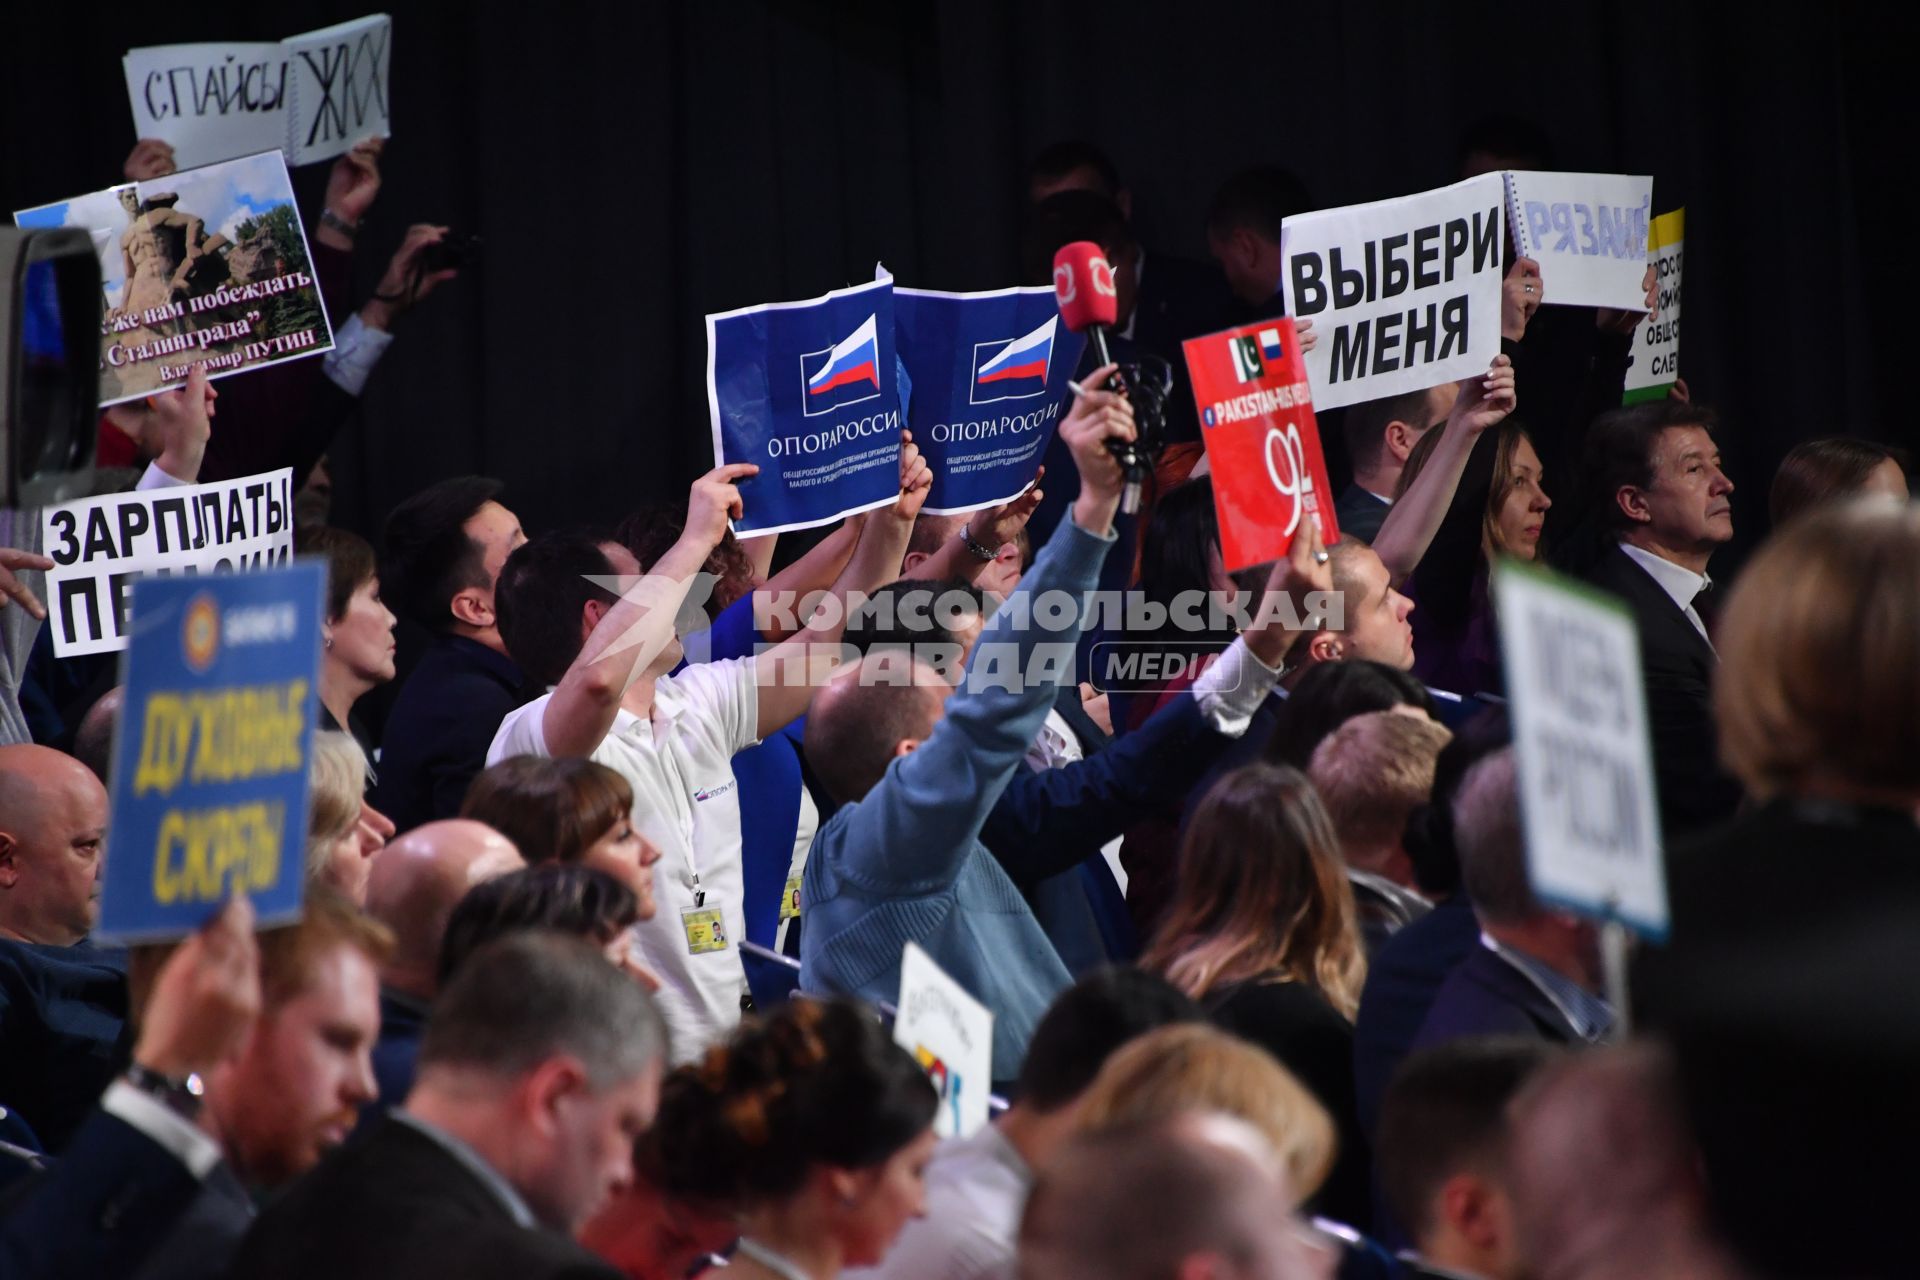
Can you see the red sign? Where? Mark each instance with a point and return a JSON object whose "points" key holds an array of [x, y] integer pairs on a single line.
{"points": [[1256, 419]]}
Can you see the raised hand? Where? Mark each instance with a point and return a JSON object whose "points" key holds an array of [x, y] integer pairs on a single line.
{"points": [[205, 998], [916, 481], [1483, 402], [149, 159], [1520, 296], [713, 501]]}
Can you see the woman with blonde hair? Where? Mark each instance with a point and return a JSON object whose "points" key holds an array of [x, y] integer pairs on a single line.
{"points": [[1785, 984], [1262, 933], [344, 832], [1194, 1067]]}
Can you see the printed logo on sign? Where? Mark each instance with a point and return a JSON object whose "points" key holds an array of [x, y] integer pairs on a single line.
{"points": [[1247, 365], [200, 633], [1063, 285], [946, 1082], [1208, 416], [1015, 370], [846, 373], [1270, 345]]}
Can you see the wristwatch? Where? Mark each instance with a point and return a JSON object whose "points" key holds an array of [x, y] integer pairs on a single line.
{"points": [[984, 554], [183, 1097], [328, 218]]}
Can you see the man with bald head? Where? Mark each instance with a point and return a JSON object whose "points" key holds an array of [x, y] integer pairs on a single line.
{"points": [[413, 888], [917, 778], [1196, 1197], [63, 1004]]}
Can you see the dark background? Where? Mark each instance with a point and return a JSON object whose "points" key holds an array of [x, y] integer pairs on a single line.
{"points": [[632, 167]]}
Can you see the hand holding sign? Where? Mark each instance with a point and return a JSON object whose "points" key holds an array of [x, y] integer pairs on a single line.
{"points": [[997, 526], [352, 184], [150, 158], [1520, 297], [182, 423], [712, 502], [1484, 402], [205, 998], [916, 481], [1304, 573], [11, 588]]}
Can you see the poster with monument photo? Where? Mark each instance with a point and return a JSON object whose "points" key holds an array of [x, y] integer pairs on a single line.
{"points": [[206, 266]]}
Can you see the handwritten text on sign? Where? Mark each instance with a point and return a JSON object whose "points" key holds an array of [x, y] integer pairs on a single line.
{"points": [[1572, 658]]}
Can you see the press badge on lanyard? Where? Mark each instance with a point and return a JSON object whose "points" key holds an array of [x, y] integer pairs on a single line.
{"points": [[790, 900], [706, 930]]}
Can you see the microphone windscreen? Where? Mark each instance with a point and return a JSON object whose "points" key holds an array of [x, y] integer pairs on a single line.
{"points": [[1083, 286]]}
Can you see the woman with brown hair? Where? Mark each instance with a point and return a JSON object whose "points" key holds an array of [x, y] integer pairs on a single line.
{"points": [[357, 634], [813, 1126], [567, 811], [1263, 933], [1470, 493], [1819, 472]]}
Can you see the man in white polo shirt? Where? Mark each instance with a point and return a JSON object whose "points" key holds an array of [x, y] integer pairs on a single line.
{"points": [[605, 658]]}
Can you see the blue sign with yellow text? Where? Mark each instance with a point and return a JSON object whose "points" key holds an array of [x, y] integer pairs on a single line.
{"points": [[211, 758]]}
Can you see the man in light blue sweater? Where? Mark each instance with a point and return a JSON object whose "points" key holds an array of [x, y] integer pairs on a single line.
{"points": [[917, 776]]}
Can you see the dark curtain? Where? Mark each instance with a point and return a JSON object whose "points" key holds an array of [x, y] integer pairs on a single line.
{"points": [[632, 167]]}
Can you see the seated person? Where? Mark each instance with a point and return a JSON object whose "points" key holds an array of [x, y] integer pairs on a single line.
{"points": [[1373, 773], [63, 1002], [1443, 1158]]}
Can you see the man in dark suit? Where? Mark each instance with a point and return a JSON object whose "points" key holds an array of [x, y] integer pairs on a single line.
{"points": [[139, 1161], [292, 1089], [1658, 506], [1441, 1157], [1536, 970], [1380, 436], [63, 1002], [445, 546], [415, 884], [540, 1066]]}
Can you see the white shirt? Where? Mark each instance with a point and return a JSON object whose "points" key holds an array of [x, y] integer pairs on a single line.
{"points": [[1678, 581], [977, 1189], [685, 800]]}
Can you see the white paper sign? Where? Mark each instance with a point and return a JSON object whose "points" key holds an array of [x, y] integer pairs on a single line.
{"points": [[312, 96], [1579, 708], [1588, 232], [1655, 363], [1404, 294], [101, 545], [951, 1034]]}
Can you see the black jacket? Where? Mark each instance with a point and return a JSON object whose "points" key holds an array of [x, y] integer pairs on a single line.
{"points": [[1678, 664], [1487, 996], [442, 723], [399, 1206]]}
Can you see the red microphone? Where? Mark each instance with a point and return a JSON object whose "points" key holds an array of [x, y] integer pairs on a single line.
{"points": [[1089, 303]]}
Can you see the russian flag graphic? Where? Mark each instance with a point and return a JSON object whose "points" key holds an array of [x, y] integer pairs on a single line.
{"points": [[850, 373], [1270, 344], [1013, 370]]}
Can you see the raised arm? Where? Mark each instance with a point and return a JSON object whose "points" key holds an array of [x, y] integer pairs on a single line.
{"points": [[874, 563], [638, 627], [915, 828], [1416, 515], [817, 570], [991, 528]]}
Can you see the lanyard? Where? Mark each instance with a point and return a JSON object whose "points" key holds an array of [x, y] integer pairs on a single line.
{"points": [[770, 1260]]}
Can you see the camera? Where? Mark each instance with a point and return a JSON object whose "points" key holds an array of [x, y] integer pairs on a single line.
{"points": [[454, 253]]}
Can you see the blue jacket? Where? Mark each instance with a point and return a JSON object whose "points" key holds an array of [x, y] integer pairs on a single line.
{"points": [[63, 1013], [100, 1209], [905, 864]]}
